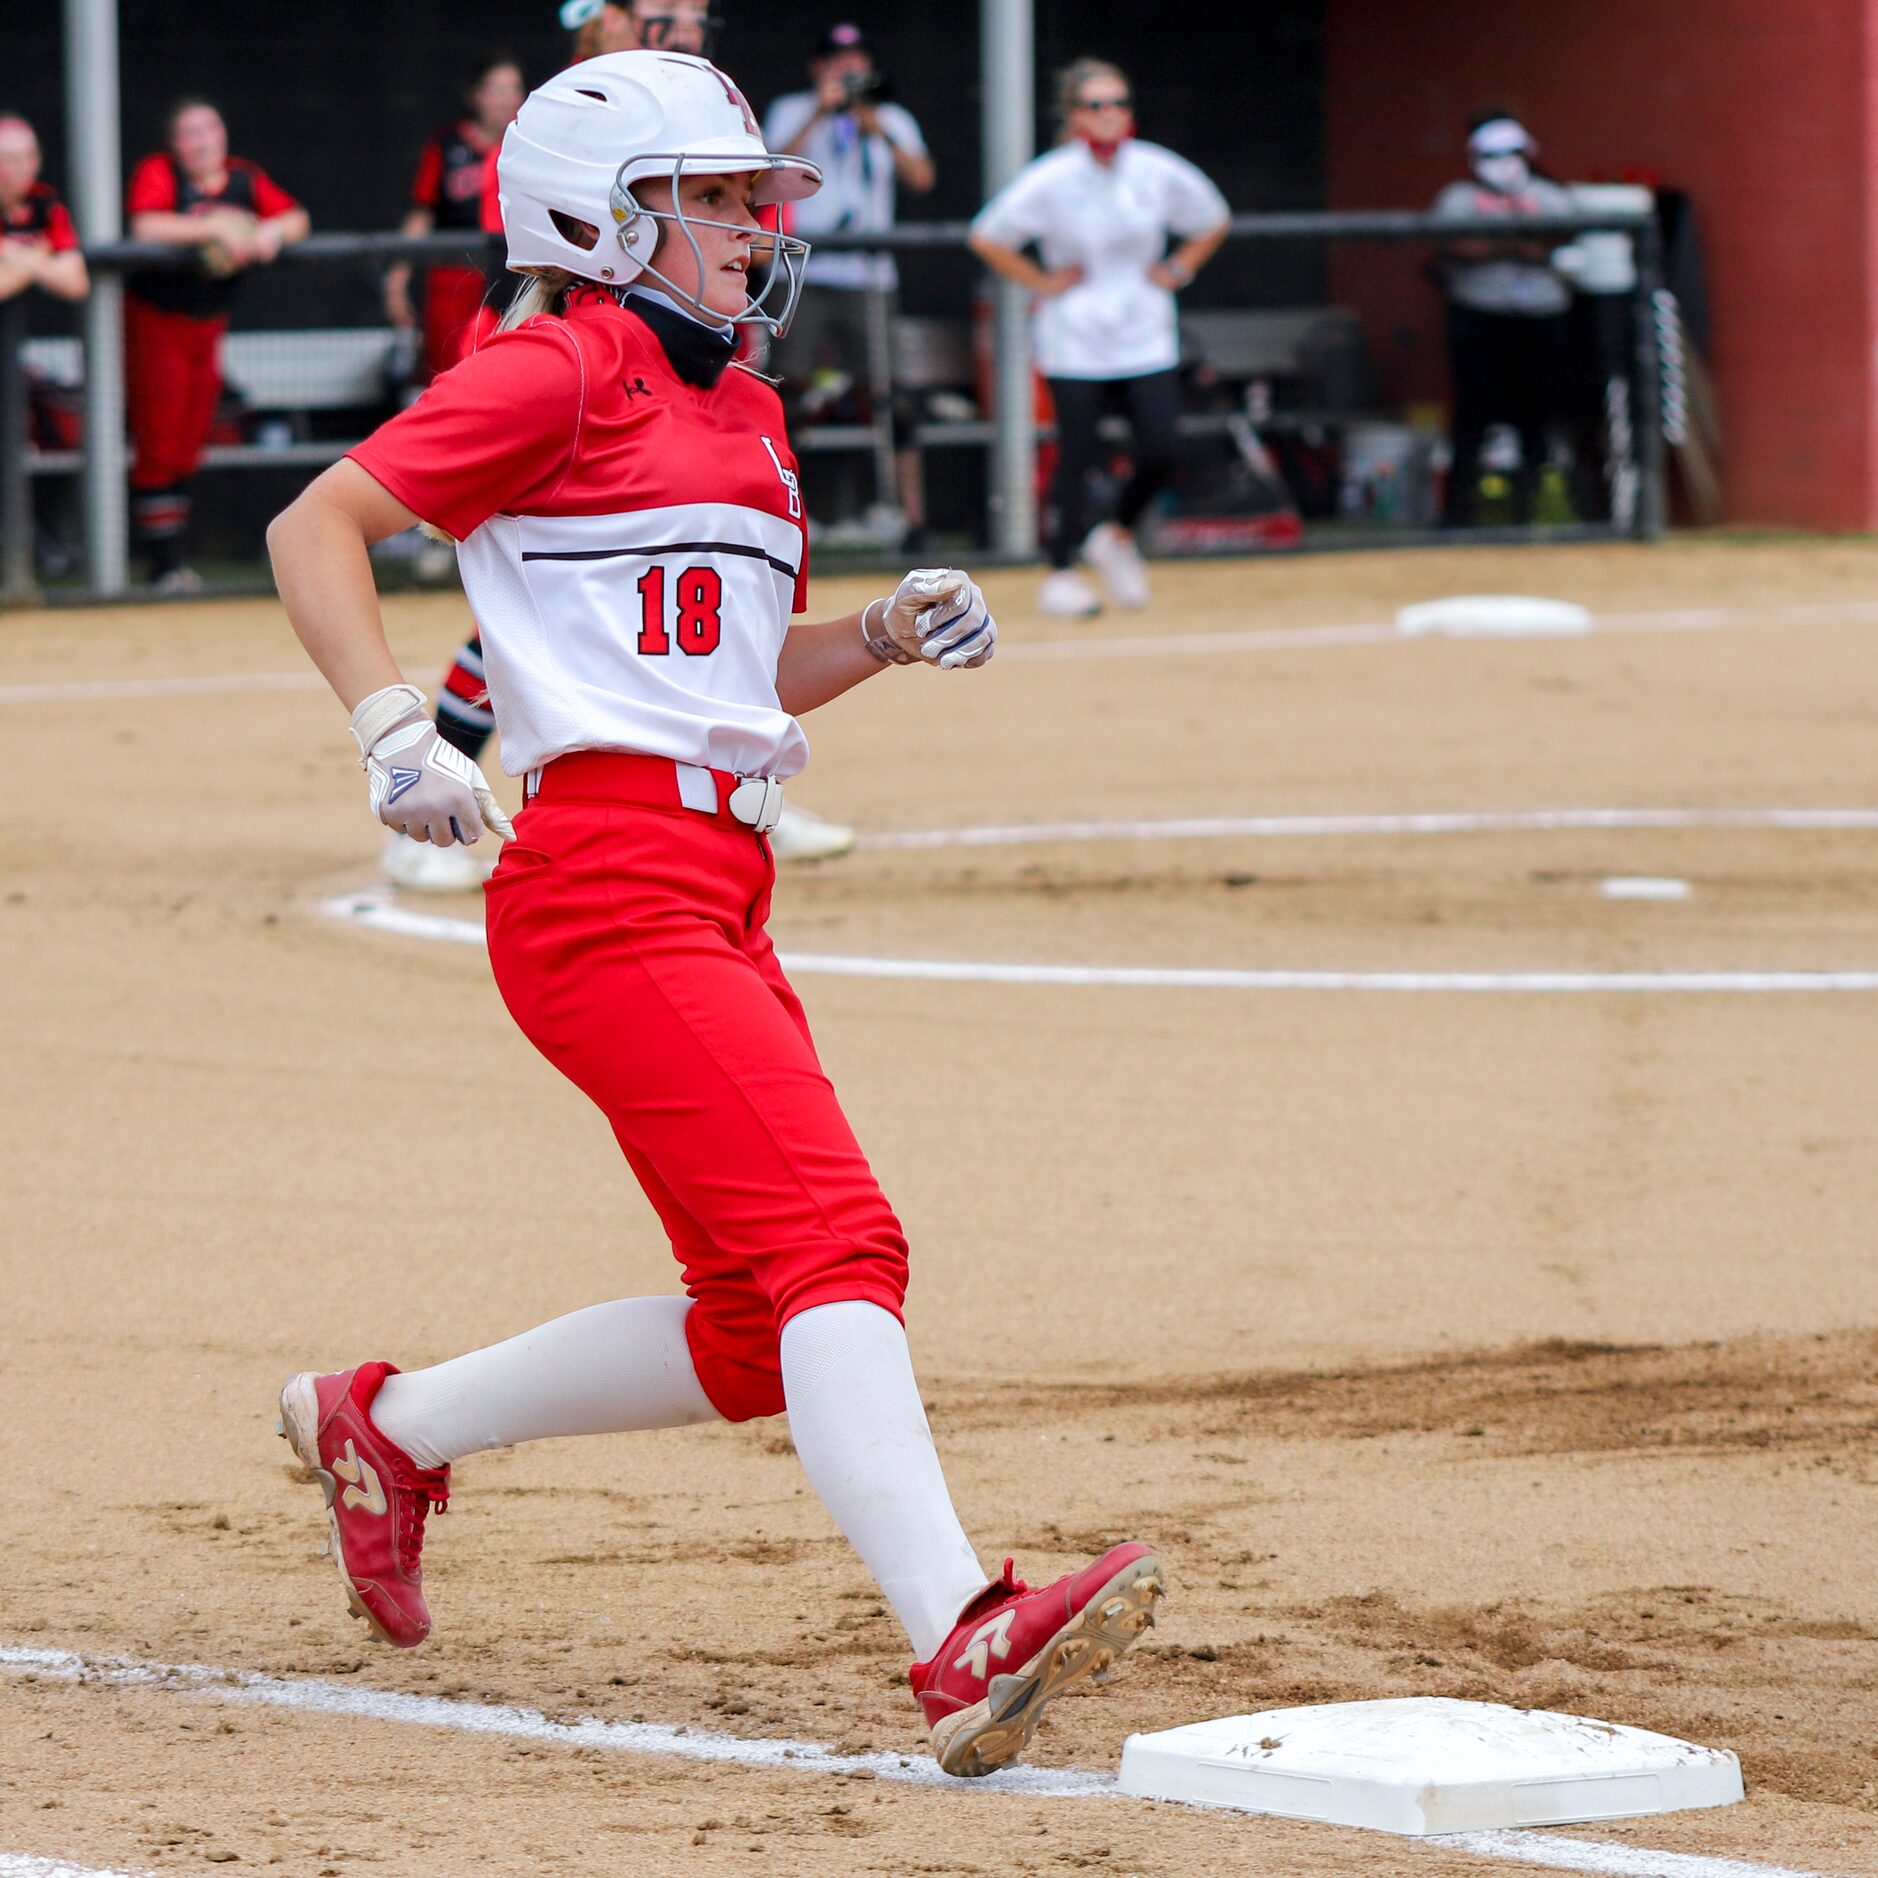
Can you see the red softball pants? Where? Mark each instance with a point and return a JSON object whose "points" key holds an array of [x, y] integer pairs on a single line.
{"points": [[627, 937], [172, 383]]}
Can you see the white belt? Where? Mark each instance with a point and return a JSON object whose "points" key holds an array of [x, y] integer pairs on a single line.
{"points": [[757, 801]]}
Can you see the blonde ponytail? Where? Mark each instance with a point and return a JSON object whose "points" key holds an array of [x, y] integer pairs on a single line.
{"points": [[545, 292]]}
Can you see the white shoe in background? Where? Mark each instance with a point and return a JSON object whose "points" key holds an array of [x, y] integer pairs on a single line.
{"points": [[1111, 551], [1066, 595], [418, 867], [802, 835]]}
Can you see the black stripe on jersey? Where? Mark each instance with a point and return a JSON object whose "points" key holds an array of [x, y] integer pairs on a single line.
{"points": [[652, 554]]}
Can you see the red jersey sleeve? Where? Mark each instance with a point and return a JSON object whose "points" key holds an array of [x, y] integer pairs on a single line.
{"points": [[496, 434], [270, 199], [427, 184], [61, 236], [152, 187]]}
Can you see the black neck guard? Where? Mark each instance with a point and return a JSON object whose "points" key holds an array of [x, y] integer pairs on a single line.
{"points": [[697, 353]]}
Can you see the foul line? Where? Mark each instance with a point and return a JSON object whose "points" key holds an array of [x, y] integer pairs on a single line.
{"points": [[25, 1865], [375, 909], [1143, 646], [1440, 822], [311, 1695]]}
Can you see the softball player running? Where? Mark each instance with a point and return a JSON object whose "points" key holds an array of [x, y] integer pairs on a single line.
{"points": [[632, 540], [463, 715]]}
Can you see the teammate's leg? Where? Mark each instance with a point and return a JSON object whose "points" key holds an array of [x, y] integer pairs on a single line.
{"points": [[463, 714], [1153, 401], [158, 395], [1154, 416], [1078, 406], [1473, 368]]}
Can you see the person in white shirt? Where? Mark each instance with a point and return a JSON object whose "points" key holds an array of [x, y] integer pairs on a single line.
{"points": [[1509, 342], [867, 149], [1101, 208]]}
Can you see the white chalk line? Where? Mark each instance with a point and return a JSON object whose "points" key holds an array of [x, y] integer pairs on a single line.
{"points": [[25, 1865], [1322, 827], [375, 909], [313, 1695], [1143, 646]]}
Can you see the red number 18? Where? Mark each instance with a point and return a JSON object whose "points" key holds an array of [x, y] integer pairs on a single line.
{"points": [[700, 612]]}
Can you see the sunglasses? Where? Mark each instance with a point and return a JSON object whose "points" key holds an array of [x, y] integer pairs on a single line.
{"points": [[1104, 104]]}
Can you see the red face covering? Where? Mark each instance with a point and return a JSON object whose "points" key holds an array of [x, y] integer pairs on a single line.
{"points": [[1105, 147]]}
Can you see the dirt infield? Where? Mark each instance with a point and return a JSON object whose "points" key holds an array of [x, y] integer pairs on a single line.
{"points": [[1498, 1343]]}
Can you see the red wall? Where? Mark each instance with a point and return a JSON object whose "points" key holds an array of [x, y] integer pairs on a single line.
{"points": [[1761, 109]]}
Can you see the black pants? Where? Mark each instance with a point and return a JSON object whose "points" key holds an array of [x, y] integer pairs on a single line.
{"points": [[1508, 368], [1152, 403]]}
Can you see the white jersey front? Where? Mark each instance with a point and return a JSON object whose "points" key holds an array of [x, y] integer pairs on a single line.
{"points": [[632, 544], [1113, 221]]}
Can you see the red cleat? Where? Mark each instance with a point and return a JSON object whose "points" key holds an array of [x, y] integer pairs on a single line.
{"points": [[1015, 1650], [377, 1497]]}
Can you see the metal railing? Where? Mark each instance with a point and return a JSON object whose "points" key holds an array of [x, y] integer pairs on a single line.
{"points": [[1009, 433]]}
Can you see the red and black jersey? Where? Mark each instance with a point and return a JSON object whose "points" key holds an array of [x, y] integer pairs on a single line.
{"points": [[449, 180], [158, 184], [39, 219], [632, 542]]}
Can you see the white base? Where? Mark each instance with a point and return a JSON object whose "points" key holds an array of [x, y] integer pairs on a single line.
{"points": [[1425, 1764], [1494, 616]]}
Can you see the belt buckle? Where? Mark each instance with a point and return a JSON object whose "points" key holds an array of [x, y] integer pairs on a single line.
{"points": [[757, 802]]}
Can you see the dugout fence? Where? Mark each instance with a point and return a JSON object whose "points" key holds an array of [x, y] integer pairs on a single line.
{"points": [[1293, 403]]}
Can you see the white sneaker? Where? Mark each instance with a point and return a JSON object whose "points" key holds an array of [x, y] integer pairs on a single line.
{"points": [[179, 580], [1111, 551], [1066, 595], [804, 836], [418, 867]]}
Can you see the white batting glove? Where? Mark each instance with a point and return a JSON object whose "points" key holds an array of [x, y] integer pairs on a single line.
{"points": [[936, 614], [420, 785]]}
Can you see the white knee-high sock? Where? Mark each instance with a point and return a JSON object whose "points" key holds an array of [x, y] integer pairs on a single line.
{"points": [[861, 1433], [599, 1371]]}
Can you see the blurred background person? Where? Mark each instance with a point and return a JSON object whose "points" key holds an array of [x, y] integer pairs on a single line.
{"points": [[236, 216], [652, 25], [1101, 209], [1509, 338], [38, 244], [447, 194], [868, 148], [39, 248]]}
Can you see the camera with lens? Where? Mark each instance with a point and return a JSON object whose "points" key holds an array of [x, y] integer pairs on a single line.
{"points": [[864, 88]]}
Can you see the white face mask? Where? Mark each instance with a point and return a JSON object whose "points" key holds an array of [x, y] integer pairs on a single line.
{"points": [[1505, 175]]}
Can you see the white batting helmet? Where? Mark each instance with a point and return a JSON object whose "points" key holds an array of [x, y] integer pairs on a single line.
{"points": [[569, 162]]}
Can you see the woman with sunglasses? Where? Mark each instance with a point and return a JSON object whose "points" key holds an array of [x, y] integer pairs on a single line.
{"points": [[1101, 209], [631, 534]]}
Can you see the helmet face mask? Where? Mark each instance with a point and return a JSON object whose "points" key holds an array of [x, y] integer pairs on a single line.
{"points": [[788, 254]]}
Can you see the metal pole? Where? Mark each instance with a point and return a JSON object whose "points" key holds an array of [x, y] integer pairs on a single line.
{"points": [[16, 489], [1007, 64], [96, 172]]}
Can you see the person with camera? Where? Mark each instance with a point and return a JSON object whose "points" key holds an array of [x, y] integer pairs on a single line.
{"points": [[867, 148], [191, 193]]}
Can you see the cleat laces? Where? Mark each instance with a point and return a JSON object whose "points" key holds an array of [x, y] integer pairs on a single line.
{"points": [[424, 1490]]}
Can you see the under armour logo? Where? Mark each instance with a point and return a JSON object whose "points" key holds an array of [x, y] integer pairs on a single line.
{"points": [[638, 388], [988, 1640], [364, 1490], [401, 780]]}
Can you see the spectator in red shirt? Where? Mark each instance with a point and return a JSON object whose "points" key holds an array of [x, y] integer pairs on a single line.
{"points": [[447, 194], [38, 244], [192, 193]]}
